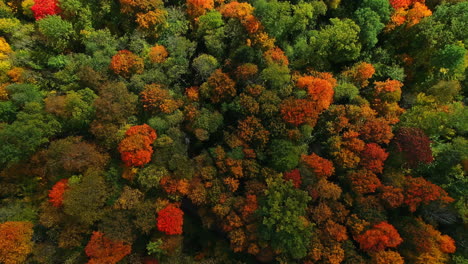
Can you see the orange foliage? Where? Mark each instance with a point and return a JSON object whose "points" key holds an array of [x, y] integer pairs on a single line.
{"points": [[252, 130], [155, 98], [392, 196], [299, 111], [364, 181], [420, 191], [336, 231], [320, 90], [221, 85], [415, 14], [377, 130], [236, 10], [135, 149], [192, 93], [396, 4], [158, 54], [447, 244], [246, 71], [276, 55], [387, 257], [103, 250], [379, 237], [15, 74], [15, 242], [170, 220], [361, 73], [196, 8], [57, 191], [151, 18], [125, 63], [322, 167], [232, 183], [250, 205], [373, 157]]}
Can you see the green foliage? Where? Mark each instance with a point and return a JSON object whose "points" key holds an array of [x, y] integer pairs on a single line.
{"points": [[284, 154], [369, 22], [345, 92], [150, 176], [283, 223], [85, 200], [31, 129], [155, 248], [57, 32], [205, 65]]}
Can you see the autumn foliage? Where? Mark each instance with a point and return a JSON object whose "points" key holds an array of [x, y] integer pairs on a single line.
{"points": [[294, 176], [57, 191], [420, 191], [321, 167], [135, 149], [126, 63], [103, 250], [15, 242], [170, 220], [43, 8], [381, 236], [414, 145]]}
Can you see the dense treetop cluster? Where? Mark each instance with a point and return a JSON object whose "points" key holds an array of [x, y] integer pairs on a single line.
{"points": [[249, 131]]}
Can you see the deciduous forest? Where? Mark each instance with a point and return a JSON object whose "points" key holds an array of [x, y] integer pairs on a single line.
{"points": [[233, 131]]}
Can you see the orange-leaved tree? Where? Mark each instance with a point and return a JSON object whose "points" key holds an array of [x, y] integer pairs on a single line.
{"points": [[15, 242], [135, 149], [103, 250], [57, 191]]}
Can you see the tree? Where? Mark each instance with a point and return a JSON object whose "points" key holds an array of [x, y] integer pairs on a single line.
{"points": [[31, 129], [321, 167], [103, 250], [15, 242], [43, 8], [158, 54], [294, 176], [57, 32], [420, 191], [285, 155], [414, 145], [219, 87], [57, 191], [170, 220], [283, 223], [135, 149], [379, 237], [125, 63], [373, 157]]}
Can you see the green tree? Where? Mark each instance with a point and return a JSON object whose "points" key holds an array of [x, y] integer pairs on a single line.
{"points": [[283, 221]]}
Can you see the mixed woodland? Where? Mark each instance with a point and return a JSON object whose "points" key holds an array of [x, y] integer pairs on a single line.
{"points": [[233, 132]]}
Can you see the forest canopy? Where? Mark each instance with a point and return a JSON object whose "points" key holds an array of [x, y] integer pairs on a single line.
{"points": [[229, 132]]}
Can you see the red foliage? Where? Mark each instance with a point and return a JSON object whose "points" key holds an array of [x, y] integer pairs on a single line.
{"points": [[377, 130], [294, 176], [299, 111], [125, 63], [396, 4], [43, 8], [57, 191], [420, 191], [103, 250], [135, 149], [170, 220], [414, 145], [380, 237], [250, 206], [322, 167], [373, 157]]}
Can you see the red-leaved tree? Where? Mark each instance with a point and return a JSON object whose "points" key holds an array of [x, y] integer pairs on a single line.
{"points": [[170, 220], [43, 8], [379, 237], [414, 145], [57, 191]]}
